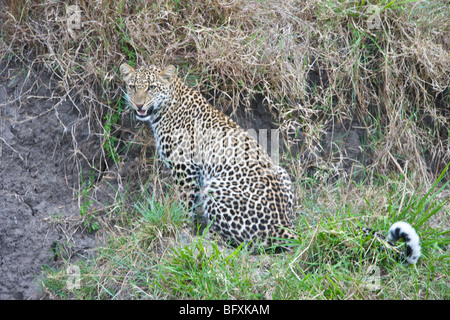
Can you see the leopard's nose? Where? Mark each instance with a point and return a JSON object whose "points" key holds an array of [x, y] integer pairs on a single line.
{"points": [[139, 106]]}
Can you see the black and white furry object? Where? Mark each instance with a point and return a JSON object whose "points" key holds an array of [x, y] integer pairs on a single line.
{"points": [[406, 232], [400, 230]]}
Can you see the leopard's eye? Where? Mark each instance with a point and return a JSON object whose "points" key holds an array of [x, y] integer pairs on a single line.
{"points": [[132, 87], [151, 87]]}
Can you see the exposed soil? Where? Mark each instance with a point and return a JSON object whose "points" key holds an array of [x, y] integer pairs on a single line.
{"points": [[39, 176]]}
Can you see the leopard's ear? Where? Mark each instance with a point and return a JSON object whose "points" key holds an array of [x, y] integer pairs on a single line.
{"points": [[168, 73], [127, 71]]}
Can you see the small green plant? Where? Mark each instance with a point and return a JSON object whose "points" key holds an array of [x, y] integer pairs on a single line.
{"points": [[110, 141], [86, 203], [160, 217], [55, 282]]}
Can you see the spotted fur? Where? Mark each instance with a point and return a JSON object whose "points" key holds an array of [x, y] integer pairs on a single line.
{"points": [[219, 166]]}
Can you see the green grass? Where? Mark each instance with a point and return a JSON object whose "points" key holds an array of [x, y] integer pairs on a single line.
{"points": [[110, 143], [86, 202], [154, 255]]}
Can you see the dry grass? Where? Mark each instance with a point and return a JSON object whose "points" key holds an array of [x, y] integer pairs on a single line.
{"points": [[317, 64]]}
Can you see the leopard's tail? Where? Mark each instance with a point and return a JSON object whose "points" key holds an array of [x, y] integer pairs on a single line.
{"points": [[406, 232], [401, 230]]}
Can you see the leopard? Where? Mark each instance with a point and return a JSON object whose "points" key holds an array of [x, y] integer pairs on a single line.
{"points": [[221, 169]]}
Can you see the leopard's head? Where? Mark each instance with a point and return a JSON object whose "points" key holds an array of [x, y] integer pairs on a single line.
{"points": [[147, 89]]}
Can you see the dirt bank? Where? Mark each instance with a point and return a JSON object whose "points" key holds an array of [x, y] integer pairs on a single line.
{"points": [[39, 174]]}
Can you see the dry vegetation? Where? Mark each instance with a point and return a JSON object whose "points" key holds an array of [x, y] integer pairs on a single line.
{"points": [[318, 65]]}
